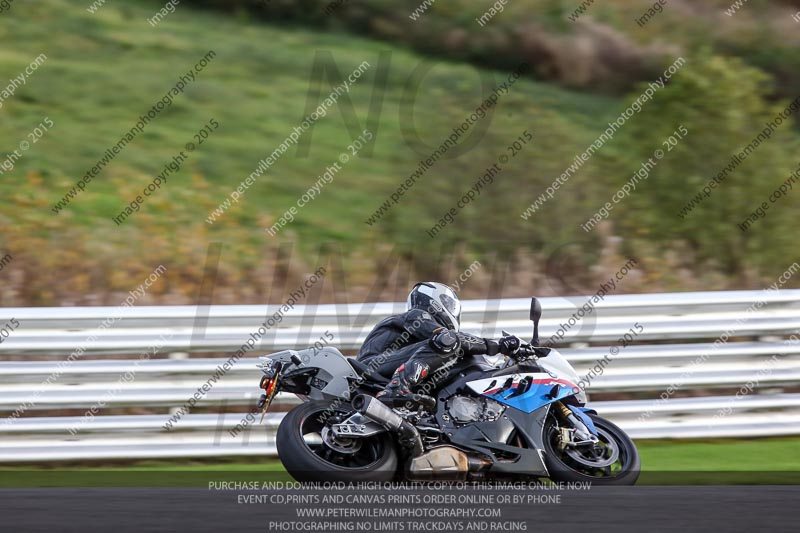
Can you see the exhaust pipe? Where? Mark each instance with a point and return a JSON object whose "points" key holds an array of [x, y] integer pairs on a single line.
{"points": [[386, 417]]}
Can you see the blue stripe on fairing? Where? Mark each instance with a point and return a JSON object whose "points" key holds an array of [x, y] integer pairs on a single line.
{"points": [[535, 398]]}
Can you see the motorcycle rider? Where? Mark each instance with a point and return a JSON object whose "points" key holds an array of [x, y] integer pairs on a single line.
{"points": [[415, 344]]}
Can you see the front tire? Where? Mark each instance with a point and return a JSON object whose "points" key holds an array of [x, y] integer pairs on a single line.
{"points": [[307, 457], [576, 466]]}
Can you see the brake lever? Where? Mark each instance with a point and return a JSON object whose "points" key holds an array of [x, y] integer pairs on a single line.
{"points": [[531, 352], [524, 353]]}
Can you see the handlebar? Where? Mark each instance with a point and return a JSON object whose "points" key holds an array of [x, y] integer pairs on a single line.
{"points": [[527, 351]]}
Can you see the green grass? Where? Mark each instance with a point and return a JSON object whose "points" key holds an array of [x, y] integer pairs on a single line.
{"points": [[104, 70], [726, 461], [722, 455], [140, 475]]}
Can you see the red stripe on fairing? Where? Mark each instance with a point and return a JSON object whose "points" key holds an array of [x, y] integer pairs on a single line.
{"points": [[555, 380], [498, 389]]}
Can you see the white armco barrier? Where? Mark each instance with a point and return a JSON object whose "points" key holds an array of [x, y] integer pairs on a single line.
{"points": [[712, 364]]}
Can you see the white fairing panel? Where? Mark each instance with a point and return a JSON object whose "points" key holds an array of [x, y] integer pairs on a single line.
{"points": [[557, 364]]}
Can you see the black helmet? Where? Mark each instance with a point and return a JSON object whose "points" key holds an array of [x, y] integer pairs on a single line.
{"points": [[437, 299]]}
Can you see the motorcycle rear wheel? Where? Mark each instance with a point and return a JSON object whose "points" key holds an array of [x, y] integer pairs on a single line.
{"points": [[307, 457]]}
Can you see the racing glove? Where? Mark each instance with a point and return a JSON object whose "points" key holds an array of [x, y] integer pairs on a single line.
{"points": [[509, 345]]}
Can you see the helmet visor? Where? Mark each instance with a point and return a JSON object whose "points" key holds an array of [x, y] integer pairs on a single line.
{"points": [[452, 305]]}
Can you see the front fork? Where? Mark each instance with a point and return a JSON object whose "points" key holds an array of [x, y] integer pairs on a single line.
{"points": [[580, 432]]}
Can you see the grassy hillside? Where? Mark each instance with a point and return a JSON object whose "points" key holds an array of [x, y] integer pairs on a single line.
{"points": [[577, 43], [104, 70]]}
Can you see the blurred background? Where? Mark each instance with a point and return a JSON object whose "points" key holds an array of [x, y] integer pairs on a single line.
{"points": [[87, 71], [107, 64]]}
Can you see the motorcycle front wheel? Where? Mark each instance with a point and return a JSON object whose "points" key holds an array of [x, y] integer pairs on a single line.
{"points": [[614, 460], [309, 452]]}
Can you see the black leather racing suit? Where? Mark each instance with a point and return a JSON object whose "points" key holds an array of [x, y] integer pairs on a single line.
{"points": [[395, 339], [406, 347]]}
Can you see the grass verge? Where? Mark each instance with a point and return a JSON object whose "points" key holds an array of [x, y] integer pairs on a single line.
{"points": [[772, 461]]}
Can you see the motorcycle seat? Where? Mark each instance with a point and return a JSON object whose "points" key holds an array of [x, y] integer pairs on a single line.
{"points": [[365, 371]]}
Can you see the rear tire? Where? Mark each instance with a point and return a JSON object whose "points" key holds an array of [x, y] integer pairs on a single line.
{"points": [[307, 458], [562, 467]]}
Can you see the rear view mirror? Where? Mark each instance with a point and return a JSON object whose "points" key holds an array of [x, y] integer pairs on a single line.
{"points": [[536, 314]]}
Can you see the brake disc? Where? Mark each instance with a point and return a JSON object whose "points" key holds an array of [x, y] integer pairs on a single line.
{"points": [[345, 446], [595, 456]]}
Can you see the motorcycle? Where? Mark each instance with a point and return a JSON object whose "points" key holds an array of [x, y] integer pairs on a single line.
{"points": [[520, 418]]}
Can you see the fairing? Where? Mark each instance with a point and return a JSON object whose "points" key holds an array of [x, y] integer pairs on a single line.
{"points": [[527, 391]]}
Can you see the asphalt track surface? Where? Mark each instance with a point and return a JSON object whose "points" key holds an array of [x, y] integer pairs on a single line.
{"points": [[640, 509]]}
